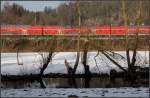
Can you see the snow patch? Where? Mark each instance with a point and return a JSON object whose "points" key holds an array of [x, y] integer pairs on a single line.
{"points": [[65, 92]]}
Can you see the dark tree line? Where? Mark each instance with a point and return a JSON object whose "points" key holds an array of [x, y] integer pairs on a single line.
{"points": [[92, 13]]}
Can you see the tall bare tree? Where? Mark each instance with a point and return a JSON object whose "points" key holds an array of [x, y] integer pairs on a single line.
{"points": [[78, 40], [47, 60]]}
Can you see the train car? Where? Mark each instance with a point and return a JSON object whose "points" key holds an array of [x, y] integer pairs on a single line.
{"points": [[34, 30], [10, 31], [75, 31], [42, 30], [68, 31], [51, 30], [118, 30], [102, 30], [142, 30], [121, 30], [107, 30]]}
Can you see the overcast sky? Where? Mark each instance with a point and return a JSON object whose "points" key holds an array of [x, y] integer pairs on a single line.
{"points": [[35, 5]]}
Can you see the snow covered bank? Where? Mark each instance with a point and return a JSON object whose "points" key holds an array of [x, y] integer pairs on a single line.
{"points": [[33, 61], [93, 92]]}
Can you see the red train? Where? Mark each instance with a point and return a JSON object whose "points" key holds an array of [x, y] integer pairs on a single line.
{"points": [[56, 30]]}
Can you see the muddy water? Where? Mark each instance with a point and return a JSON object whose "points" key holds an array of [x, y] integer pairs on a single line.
{"points": [[73, 83]]}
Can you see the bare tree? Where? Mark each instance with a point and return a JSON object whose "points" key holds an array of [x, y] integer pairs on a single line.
{"points": [[19, 44], [130, 46], [84, 58], [46, 59], [78, 40], [131, 60]]}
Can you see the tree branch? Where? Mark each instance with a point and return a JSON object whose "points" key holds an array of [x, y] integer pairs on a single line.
{"points": [[114, 61]]}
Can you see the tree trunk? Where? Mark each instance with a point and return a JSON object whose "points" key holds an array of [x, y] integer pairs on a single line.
{"points": [[69, 68], [49, 58], [128, 57], [18, 57], [41, 83], [76, 63], [78, 40], [84, 62], [46, 62]]}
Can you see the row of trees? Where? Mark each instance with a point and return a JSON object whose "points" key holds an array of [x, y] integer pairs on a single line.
{"points": [[93, 13]]}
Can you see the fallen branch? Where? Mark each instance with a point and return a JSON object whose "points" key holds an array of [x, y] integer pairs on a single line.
{"points": [[96, 61], [113, 61]]}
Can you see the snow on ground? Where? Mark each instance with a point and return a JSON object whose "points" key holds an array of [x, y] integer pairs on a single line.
{"points": [[63, 92], [33, 61]]}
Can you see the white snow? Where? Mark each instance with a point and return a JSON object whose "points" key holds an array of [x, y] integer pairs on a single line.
{"points": [[33, 61], [65, 92]]}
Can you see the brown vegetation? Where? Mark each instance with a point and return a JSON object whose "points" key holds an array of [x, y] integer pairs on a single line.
{"points": [[92, 13]]}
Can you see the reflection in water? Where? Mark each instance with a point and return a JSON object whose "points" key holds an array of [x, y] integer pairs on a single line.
{"points": [[71, 83], [87, 82]]}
